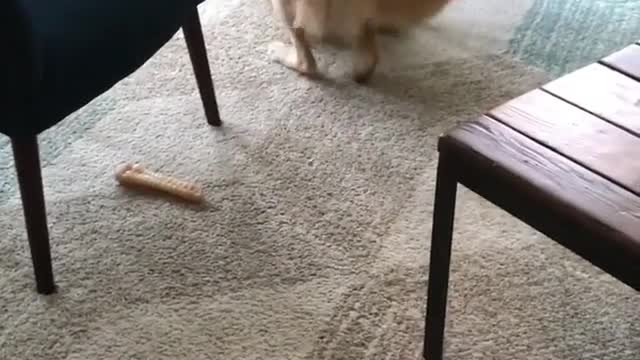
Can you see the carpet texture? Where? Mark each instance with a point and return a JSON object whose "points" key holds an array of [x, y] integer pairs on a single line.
{"points": [[315, 243]]}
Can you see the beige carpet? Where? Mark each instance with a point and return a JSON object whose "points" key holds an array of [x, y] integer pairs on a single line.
{"points": [[315, 243]]}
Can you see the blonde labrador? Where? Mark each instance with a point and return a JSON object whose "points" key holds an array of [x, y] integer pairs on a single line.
{"points": [[349, 23]]}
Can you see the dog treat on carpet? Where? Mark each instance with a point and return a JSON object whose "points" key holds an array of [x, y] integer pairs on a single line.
{"points": [[137, 175]]}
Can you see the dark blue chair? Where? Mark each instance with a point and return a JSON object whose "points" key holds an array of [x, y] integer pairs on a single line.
{"points": [[58, 55]]}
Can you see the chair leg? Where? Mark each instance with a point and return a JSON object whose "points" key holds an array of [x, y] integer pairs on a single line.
{"points": [[441, 238], [192, 30], [27, 162]]}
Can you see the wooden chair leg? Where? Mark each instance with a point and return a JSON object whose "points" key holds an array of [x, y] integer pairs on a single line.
{"points": [[192, 30], [27, 162], [441, 238]]}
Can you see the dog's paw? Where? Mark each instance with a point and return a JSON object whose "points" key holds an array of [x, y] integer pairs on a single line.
{"points": [[281, 52], [389, 30], [364, 76], [288, 56], [364, 68]]}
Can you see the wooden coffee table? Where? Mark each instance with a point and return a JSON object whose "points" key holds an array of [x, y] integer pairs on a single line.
{"points": [[563, 158]]}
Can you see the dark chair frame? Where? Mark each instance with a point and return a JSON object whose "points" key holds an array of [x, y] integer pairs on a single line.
{"points": [[28, 168]]}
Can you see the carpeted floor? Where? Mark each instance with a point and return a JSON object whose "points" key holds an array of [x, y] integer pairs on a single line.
{"points": [[316, 242]]}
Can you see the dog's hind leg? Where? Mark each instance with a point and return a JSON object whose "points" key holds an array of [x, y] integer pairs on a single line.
{"points": [[366, 57], [297, 56]]}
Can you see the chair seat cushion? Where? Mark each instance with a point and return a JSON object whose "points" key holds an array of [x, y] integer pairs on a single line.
{"points": [[77, 51]]}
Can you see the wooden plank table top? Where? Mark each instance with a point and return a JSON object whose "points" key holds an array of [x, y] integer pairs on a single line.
{"points": [[564, 159], [570, 152]]}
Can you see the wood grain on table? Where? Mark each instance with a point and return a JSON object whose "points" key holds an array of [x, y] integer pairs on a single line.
{"points": [[603, 148], [602, 91], [565, 159], [626, 61], [578, 208]]}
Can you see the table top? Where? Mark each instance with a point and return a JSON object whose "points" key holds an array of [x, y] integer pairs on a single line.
{"points": [[575, 142]]}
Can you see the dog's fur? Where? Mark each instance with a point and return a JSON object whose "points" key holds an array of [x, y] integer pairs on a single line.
{"points": [[352, 23]]}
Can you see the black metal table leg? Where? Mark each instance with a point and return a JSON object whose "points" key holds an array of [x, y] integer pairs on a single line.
{"points": [[441, 238]]}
